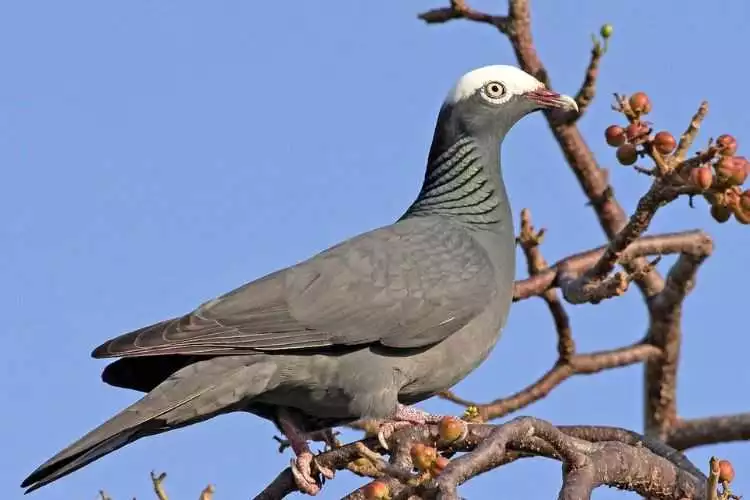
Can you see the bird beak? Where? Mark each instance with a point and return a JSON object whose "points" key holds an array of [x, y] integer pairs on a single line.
{"points": [[550, 99]]}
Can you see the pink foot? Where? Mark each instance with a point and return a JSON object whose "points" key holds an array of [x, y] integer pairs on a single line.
{"points": [[304, 467], [387, 429], [404, 416], [301, 467]]}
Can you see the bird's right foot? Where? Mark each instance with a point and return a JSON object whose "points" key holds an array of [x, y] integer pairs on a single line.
{"points": [[403, 417], [387, 429]]}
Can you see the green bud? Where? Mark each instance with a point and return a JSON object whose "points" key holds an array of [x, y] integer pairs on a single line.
{"points": [[606, 31]]}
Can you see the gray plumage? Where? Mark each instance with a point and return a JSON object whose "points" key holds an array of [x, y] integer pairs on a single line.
{"points": [[393, 315]]}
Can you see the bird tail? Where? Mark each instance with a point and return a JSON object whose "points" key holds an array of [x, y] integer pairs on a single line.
{"points": [[192, 394], [77, 456]]}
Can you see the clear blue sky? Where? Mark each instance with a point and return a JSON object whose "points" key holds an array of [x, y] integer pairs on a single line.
{"points": [[157, 154]]}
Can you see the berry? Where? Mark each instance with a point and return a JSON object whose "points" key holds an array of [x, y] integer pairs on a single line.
{"points": [[640, 103], [745, 201], [606, 31], [720, 213], [701, 177], [423, 456], [726, 471], [741, 163], [451, 429], [740, 172], [377, 490], [615, 136], [742, 216], [636, 131], [732, 170], [440, 464], [664, 142], [627, 154], [727, 144]]}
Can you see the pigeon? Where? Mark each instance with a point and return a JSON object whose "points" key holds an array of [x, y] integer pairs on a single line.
{"points": [[364, 329]]}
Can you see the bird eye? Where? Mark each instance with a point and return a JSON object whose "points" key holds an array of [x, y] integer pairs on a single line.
{"points": [[494, 90]]}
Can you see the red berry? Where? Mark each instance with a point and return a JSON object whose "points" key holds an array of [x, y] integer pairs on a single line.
{"points": [[664, 142], [615, 135], [732, 170], [423, 456], [739, 176], [742, 216], [726, 471], [636, 130], [440, 464], [640, 103], [727, 144], [701, 177], [451, 429], [741, 163], [724, 166], [377, 490], [627, 154], [720, 213], [745, 201]]}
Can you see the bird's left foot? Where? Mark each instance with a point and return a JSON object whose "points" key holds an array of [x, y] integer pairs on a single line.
{"points": [[403, 417], [301, 467], [305, 470]]}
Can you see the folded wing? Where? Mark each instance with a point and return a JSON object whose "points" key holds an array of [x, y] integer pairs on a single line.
{"points": [[408, 285]]}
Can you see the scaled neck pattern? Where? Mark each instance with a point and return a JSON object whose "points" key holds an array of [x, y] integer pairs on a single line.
{"points": [[464, 183]]}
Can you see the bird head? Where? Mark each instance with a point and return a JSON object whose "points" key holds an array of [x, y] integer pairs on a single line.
{"points": [[492, 99]]}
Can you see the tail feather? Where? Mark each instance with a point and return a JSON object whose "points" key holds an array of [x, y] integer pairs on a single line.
{"points": [[192, 394], [63, 464], [138, 420]]}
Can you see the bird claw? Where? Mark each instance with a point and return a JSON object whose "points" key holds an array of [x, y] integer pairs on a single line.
{"points": [[303, 467], [387, 429], [327, 472]]}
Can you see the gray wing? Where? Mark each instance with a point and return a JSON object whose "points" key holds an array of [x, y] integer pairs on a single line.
{"points": [[407, 285]]}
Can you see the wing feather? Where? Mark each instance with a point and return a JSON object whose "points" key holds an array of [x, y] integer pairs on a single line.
{"points": [[407, 285]]}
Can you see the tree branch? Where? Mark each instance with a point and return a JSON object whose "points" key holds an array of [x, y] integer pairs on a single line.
{"points": [[529, 240], [587, 92], [665, 333], [459, 10], [687, 434], [663, 244], [592, 457]]}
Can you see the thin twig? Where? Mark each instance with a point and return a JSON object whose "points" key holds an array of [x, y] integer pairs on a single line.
{"points": [[529, 240], [157, 481], [587, 92], [579, 364], [687, 138], [207, 493]]}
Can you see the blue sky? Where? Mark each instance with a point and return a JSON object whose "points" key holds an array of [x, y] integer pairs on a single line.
{"points": [[157, 154]]}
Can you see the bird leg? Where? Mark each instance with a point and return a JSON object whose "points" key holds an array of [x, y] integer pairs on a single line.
{"points": [[326, 436], [403, 417], [304, 465]]}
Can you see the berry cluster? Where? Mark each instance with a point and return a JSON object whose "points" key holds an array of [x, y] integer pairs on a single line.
{"points": [[426, 459], [721, 180], [716, 173], [631, 140]]}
